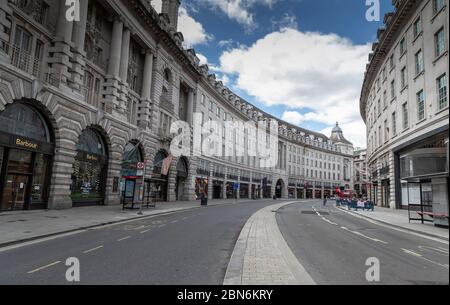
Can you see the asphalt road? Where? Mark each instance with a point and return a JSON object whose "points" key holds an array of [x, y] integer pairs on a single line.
{"points": [[188, 247], [334, 246]]}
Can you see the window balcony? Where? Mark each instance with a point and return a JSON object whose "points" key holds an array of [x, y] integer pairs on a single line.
{"points": [[22, 59]]}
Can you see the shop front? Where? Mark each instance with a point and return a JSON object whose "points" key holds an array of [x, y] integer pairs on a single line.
{"points": [[318, 190], [309, 190], [300, 192], [89, 170], [159, 182], [26, 152], [244, 190], [217, 189], [230, 190]]}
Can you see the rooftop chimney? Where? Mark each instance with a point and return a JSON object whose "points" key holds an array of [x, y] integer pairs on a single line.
{"points": [[170, 7]]}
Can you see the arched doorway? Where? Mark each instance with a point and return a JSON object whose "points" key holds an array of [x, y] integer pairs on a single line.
{"points": [[132, 155], [159, 182], [182, 175], [26, 152], [89, 169], [279, 189]]}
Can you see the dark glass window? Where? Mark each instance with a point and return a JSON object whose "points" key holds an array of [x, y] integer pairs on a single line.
{"points": [[91, 142], [23, 120]]}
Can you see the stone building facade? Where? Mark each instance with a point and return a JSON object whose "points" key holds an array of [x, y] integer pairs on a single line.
{"points": [[360, 173], [404, 103], [86, 108]]}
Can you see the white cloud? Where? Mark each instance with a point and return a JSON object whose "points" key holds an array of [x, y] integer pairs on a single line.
{"points": [[203, 59], [287, 21], [293, 117], [320, 72], [239, 10], [193, 31]]}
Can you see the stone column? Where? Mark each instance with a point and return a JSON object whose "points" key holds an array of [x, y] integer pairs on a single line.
{"points": [[124, 56], [112, 87], [116, 49], [147, 78], [79, 55], [61, 49], [190, 106], [146, 95]]}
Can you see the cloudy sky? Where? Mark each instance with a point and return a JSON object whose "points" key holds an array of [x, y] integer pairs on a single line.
{"points": [[300, 60]]}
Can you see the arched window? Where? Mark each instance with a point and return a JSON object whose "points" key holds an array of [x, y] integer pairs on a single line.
{"points": [[91, 142], [158, 161], [89, 170], [132, 153], [23, 120]]}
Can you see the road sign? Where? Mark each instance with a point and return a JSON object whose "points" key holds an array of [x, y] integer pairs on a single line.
{"points": [[140, 165]]}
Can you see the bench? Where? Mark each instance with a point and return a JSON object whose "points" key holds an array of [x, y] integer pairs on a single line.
{"points": [[432, 215]]}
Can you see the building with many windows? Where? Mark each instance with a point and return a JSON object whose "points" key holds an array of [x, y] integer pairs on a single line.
{"points": [[404, 102], [86, 109], [360, 173]]}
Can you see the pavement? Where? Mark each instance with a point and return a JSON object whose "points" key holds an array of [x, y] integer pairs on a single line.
{"points": [[261, 255], [399, 219], [337, 248], [21, 226], [187, 247]]}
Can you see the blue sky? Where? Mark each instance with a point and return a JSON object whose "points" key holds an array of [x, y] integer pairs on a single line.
{"points": [[301, 60]]}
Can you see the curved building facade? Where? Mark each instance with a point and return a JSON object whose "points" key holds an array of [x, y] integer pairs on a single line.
{"points": [[404, 103], [87, 106]]}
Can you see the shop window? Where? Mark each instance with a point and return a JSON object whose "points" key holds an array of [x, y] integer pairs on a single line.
{"points": [[89, 169], [22, 120]]}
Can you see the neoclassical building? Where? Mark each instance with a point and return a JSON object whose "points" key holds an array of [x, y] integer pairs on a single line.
{"points": [[360, 177], [86, 108], [404, 102]]}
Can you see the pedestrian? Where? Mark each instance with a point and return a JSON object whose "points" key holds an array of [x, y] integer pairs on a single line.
{"points": [[324, 200]]}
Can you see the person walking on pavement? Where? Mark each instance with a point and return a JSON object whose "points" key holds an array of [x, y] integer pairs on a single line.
{"points": [[324, 200]]}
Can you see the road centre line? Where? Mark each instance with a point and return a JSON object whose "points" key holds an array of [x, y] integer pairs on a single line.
{"points": [[44, 267], [124, 238], [92, 250]]}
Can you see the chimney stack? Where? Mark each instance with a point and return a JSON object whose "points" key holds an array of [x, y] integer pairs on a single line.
{"points": [[171, 7]]}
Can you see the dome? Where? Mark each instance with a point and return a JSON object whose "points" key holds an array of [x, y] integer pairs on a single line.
{"points": [[338, 136]]}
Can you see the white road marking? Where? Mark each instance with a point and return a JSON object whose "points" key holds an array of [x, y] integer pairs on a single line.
{"points": [[145, 231], [329, 221], [438, 250], [365, 236], [424, 258], [174, 221], [163, 225], [124, 238], [44, 267], [92, 250]]}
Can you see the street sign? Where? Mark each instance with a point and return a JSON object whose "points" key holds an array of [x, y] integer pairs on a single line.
{"points": [[140, 165]]}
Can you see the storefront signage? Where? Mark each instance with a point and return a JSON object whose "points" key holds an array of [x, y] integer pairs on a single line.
{"points": [[26, 144], [90, 157]]}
